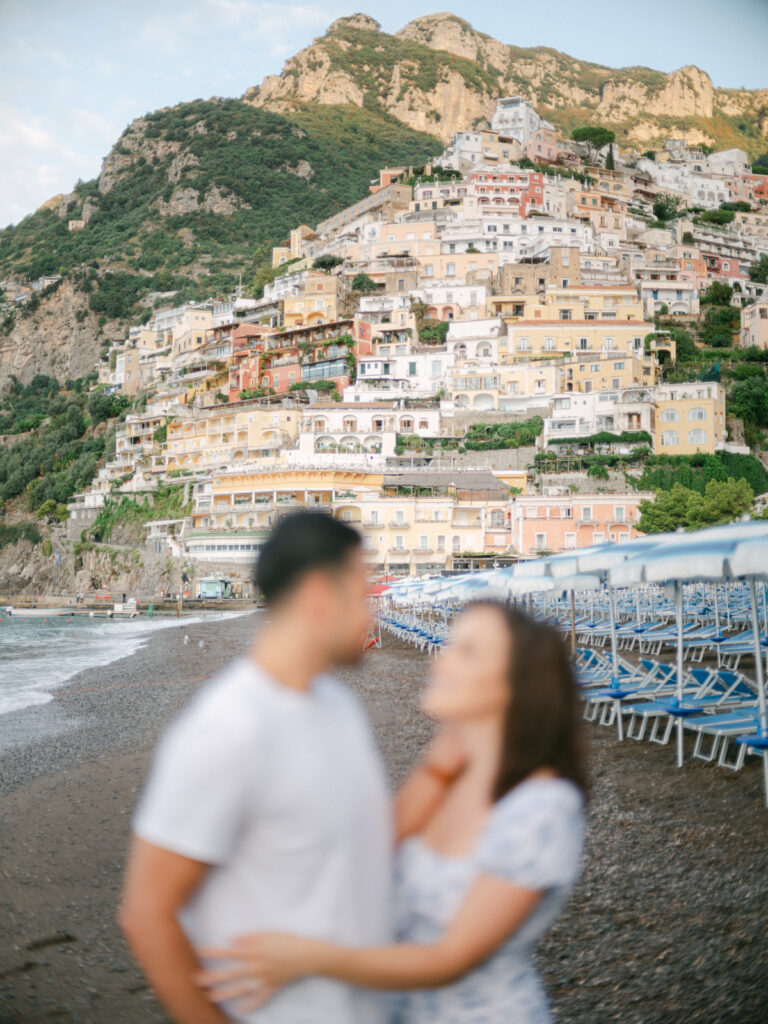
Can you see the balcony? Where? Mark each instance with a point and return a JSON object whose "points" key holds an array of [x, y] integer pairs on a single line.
{"points": [[403, 525], [423, 551], [398, 551]]}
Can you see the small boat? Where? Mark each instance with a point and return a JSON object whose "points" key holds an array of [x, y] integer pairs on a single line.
{"points": [[38, 613]]}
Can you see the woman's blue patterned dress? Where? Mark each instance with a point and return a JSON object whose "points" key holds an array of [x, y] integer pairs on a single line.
{"points": [[533, 838]]}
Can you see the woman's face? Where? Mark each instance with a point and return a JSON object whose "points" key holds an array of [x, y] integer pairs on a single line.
{"points": [[470, 677]]}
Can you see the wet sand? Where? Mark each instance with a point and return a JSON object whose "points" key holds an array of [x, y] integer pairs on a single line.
{"points": [[668, 923]]}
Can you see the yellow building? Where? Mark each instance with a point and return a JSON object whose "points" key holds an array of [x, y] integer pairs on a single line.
{"points": [[318, 302], [300, 245], [189, 333], [601, 372], [222, 435], [690, 418], [402, 532]]}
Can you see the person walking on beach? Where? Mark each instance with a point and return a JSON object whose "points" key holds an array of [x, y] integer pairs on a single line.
{"points": [[267, 806], [483, 870]]}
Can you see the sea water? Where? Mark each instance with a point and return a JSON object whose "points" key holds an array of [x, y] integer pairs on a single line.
{"points": [[38, 655]]}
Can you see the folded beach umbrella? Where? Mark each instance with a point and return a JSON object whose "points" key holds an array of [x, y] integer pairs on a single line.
{"points": [[749, 559], [703, 555]]}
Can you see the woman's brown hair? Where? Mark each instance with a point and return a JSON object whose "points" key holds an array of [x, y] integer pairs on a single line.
{"points": [[543, 724]]}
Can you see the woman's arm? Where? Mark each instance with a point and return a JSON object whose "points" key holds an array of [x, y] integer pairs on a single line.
{"points": [[492, 911], [424, 789]]}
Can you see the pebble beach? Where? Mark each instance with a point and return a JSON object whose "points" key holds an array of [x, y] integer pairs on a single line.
{"points": [[668, 923]]}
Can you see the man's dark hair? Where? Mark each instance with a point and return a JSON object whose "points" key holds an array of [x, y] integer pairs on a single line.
{"points": [[301, 543]]}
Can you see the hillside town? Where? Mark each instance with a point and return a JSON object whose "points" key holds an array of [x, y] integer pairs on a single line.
{"points": [[468, 363]]}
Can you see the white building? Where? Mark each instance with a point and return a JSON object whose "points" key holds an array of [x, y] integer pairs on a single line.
{"points": [[420, 372], [476, 340], [362, 428], [515, 118]]}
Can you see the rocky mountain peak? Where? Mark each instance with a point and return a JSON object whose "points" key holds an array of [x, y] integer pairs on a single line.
{"points": [[360, 21]]}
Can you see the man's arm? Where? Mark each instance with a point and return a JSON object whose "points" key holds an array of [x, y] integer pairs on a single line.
{"points": [[157, 885]]}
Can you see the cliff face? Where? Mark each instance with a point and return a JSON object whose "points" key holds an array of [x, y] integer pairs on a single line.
{"points": [[438, 74], [59, 339]]}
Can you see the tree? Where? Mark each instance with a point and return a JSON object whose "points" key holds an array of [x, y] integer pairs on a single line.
{"points": [[363, 283], [666, 512], [719, 293], [717, 216], [748, 399], [327, 262], [594, 136], [666, 207], [687, 238], [759, 270], [723, 501], [720, 324], [610, 163], [52, 511]]}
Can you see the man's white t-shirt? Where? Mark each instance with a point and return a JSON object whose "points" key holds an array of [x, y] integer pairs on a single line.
{"points": [[284, 794]]}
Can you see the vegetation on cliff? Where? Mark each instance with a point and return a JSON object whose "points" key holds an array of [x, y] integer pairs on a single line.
{"points": [[61, 452], [188, 193]]}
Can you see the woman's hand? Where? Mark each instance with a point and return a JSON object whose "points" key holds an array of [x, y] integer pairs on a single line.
{"points": [[261, 965], [446, 756]]}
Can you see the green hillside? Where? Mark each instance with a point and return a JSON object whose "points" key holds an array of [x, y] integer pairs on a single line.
{"points": [[221, 151]]}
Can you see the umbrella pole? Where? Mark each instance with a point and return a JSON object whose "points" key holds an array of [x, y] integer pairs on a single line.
{"points": [[717, 620], [615, 663], [573, 626], [679, 615], [759, 677]]}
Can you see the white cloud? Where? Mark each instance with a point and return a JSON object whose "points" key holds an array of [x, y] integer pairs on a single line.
{"points": [[39, 165]]}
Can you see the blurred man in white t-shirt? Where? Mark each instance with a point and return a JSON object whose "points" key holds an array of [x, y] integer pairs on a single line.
{"points": [[267, 807]]}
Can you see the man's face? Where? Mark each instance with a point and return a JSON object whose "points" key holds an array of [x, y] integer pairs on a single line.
{"points": [[348, 614]]}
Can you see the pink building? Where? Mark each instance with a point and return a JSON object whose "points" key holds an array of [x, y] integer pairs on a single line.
{"points": [[516, 190], [551, 523]]}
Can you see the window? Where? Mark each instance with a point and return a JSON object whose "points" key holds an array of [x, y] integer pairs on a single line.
{"points": [[423, 541], [429, 270], [450, 270], [615, 382], [540, 542], [697, 413], [399, 516], [669, 438], [564, 314], [496, 520], [618, 366], [441, 542], [618, 514], [401, 284], [411, 369], [399, 542], [456, 544], [586, 514], [670, 416], [697, 436], [570, 540]]}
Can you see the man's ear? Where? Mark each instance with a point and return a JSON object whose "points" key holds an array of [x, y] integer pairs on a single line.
{"points": [[315, 592]]}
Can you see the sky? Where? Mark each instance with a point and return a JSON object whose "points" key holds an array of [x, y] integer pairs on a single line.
{"points": [[74, 73]]}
